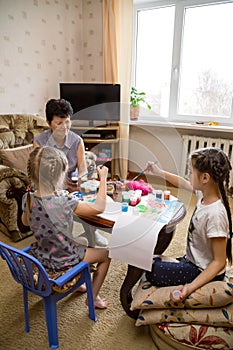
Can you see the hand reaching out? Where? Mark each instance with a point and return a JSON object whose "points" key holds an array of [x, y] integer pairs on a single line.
{"points": [[152, 168]]}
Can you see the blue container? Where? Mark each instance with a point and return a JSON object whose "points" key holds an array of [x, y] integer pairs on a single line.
{"points": [[78, 195], [124, 207]]}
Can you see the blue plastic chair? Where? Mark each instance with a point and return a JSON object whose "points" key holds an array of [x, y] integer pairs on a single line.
{"points": [[22, 266]]}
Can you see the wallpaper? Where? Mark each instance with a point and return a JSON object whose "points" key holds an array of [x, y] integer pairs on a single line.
{"points": [[44, 42]]}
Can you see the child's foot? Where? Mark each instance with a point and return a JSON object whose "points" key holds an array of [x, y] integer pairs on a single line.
{"points": [[100, 303], [82, 289]]}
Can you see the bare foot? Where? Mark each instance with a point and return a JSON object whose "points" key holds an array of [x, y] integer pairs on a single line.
{"points": [[82, 289], [100, 303]]}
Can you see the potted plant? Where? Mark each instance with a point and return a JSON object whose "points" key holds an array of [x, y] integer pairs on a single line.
{"points": [[135, 99]]}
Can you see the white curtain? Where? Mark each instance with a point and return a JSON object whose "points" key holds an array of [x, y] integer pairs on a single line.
{"points": [[117, 63]]}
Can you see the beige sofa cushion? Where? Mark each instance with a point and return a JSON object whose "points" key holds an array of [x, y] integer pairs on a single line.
{"points": [[7, 138], [16, 157], [20, 129], [6, 121]]}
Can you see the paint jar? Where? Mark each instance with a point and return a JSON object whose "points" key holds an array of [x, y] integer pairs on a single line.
{"points": [[138, 194], [133, 201], [158, 194], [125, 196], [166, 195], [78, 195], [74, 177], [124, 207], [110, 189]]}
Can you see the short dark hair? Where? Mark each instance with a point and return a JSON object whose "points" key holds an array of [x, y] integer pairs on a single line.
{"points": [[60, 108]]}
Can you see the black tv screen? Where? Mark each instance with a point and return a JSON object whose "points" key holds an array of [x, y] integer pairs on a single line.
{"points": [[93, 101]]}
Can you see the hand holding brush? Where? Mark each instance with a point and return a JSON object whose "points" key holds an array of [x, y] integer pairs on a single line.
{"points": [[143, 171]]}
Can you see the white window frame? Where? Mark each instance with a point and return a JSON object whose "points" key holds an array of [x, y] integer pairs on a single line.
{"points": [[180, 6]]}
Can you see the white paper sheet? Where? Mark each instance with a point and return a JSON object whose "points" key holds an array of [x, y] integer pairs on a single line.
{"points": [[133, 240], [134, 237]]}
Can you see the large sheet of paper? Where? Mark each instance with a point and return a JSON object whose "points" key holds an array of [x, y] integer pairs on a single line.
{"points": [[133, 240], [134, 237]]}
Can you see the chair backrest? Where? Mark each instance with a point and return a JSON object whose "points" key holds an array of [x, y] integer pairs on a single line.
{"points": [[27, 270]]}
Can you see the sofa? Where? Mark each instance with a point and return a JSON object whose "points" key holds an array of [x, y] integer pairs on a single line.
{"points": [[17, 132]]}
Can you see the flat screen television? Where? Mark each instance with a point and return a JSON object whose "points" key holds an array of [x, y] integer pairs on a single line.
{"points": [[93, 102]]}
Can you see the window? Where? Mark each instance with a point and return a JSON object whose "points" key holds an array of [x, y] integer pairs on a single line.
{"points": [[183, 59]]}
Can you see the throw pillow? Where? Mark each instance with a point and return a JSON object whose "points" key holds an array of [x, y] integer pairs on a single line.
{"points": [[16, 157], [211, 295], [218, 316]]}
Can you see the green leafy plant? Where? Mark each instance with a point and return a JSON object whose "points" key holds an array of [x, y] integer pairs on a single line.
{"points": [[137, 97]]}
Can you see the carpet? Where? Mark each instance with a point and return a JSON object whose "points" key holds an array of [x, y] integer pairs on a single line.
{"points": [[114, 330]]}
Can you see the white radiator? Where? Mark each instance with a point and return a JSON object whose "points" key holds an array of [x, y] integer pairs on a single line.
{"points": [[191, 143]]}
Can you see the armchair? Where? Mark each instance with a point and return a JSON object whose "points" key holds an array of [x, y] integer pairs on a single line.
{"points": [[17, 132], [13, 184]]}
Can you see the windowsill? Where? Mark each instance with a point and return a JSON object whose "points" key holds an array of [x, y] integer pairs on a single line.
{"points": [[185, 126]]}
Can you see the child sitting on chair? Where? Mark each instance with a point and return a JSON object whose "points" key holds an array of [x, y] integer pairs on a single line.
{"points": [[51, 217]]}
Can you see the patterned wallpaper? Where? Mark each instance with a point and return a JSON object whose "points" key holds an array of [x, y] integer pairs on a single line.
{"points": [[44, 42]]}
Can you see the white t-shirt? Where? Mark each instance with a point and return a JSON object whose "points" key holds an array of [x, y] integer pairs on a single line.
{"points": [[207, 221]]}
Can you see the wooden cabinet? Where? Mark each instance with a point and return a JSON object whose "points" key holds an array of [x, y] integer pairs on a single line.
{"points": [[103, 141]]}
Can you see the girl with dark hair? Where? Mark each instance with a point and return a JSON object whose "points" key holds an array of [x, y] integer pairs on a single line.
{"points": [[210, 230]]}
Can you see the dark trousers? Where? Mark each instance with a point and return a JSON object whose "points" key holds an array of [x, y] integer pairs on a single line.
{"points": [[165, 273]]}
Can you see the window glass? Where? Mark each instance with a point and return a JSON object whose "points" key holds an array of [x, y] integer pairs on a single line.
{"points": [[206, 86], [154, 56], [183, 59]]}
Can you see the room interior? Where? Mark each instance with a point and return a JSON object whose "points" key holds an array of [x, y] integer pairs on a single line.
{"points": [[47, 42]]}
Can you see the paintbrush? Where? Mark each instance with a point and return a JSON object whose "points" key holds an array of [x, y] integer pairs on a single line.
{"points": [[143, 171], [91, 171]]}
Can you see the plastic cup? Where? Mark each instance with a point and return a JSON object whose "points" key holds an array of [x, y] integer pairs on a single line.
{"points": [[125, 196], [133, 201], [176, 294]]}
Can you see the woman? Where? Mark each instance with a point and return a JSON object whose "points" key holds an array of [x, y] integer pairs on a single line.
{"points": [[58, 114]]}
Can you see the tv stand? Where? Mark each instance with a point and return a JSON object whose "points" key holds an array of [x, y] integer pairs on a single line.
{"points": [[101, 140]]}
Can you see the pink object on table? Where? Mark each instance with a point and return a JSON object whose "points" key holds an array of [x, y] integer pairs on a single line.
{"points": [[139, 185]]}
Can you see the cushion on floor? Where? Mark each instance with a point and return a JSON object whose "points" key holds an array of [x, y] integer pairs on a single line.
{"points": [[180, 336]]}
